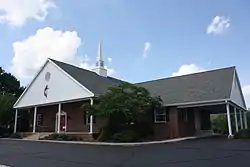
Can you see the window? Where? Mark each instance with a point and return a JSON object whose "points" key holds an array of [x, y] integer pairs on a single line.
{"points": [[39, 119], [161, 116]]}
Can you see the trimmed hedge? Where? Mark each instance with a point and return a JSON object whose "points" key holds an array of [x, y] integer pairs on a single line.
{"points": [[243, 134], [61, 137]]}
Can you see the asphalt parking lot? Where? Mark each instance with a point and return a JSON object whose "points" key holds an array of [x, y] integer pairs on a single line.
{"points": [[202, 152]]}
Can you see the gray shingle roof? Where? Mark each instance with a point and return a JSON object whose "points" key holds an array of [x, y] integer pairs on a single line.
{"points": [[203, 86], [92, 81]]}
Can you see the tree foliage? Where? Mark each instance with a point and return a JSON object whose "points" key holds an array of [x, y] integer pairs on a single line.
{"points": [[10, 90], [6, 108], [9, 84], [220, 125], [127, 107]]}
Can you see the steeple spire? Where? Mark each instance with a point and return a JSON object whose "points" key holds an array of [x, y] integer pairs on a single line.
{"points": [[99, 66], [99, 51], [99, 62]]}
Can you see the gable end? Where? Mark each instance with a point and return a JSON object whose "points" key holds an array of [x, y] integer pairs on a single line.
{"points": [[52, 85], [236, 92]]}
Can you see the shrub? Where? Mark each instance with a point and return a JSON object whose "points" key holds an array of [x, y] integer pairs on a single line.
{"points": [[128, 110], [125, 136], [5, 132], [243, 134], [96, 135], [61, 137], [15, 135]]}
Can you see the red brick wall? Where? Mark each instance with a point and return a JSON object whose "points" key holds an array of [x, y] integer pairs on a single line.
{"points": [[49, 118], [75, 117], [176, 127], [76, 122], [168, 129]]}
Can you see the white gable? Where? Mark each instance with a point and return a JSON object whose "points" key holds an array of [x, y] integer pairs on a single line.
{"points": [[236, 92], [54, 83]]}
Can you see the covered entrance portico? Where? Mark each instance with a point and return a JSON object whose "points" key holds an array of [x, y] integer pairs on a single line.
{"points": [[65, 117], [236, 116]]}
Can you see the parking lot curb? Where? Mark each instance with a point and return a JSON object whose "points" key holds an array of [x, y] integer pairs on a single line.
{"points": [[108, 143]]}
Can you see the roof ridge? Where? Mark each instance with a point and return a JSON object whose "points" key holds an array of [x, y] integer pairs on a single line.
{"points": [[72, 65], [172, 77], [80, 68]]}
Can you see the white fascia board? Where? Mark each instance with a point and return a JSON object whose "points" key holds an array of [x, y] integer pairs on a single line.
{"points": [[196, 103], [54, 103]]}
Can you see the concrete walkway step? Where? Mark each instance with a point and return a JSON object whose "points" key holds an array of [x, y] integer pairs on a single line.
{"points": [[36, 136]]}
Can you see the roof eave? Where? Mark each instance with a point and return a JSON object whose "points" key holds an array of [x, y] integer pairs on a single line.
{"points": [[198, 103]]}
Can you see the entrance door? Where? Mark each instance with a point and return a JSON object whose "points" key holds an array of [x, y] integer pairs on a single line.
{"points": [[63, 122]]}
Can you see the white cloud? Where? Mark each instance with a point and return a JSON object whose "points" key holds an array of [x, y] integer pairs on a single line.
{"points": [[147, 47], [218, 25], [111, 71], [246, 90], [32, 52], [246, 93], [17, 12], [188, 69], [109, 59]]}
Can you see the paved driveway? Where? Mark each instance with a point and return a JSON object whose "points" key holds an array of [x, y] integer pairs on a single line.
{"points": [[195, 153]]}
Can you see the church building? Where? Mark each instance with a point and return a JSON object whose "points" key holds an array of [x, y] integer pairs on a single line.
{"points": [[55, 96]]}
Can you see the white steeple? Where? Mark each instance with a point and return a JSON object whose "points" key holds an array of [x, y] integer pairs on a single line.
{"points": [[99, 66]]}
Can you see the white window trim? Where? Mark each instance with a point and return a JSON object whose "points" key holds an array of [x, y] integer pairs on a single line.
{"points": [[162, 114]]}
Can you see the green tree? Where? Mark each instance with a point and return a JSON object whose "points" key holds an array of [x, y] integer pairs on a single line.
{"points": [[9, 84], [220, 125], [6, 108], [129, 111], [10, 90]]}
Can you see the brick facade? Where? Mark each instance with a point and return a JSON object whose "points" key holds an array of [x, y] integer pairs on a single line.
{"points": [[178, 125]]}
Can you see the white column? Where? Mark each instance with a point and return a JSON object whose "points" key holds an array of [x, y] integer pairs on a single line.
{"points": [[236, 120], [59, 118], [91, 118], [91, 124], [230, 134], [245, 119], [34, 120], [15, 125], [66, 122], [241, 120], [91, 101]]}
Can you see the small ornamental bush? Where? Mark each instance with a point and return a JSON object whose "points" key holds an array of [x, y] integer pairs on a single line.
{"points": [[243, 134]]}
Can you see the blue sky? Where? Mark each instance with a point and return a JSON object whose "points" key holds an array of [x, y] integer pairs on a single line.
{"points": [[173, 34]]}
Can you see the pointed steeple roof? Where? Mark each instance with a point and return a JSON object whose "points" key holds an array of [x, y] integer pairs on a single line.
{"points": [[99, 66], [99, 54]]}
